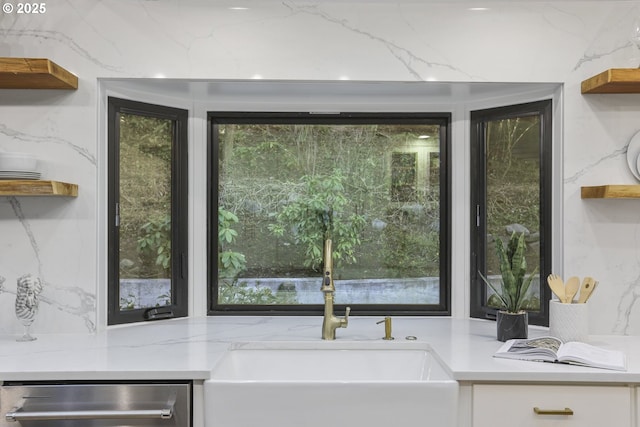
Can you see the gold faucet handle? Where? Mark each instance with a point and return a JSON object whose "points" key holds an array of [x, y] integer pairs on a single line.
{"points": [[345, 321]]}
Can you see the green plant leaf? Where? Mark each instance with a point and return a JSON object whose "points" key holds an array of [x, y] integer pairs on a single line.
{"points": [[509, 283], [513, 266], [497, 292]]}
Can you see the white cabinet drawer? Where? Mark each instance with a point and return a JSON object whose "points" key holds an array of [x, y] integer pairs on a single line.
{"points": [[513, 405]]}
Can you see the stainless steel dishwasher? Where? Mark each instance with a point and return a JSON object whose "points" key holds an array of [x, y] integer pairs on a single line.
{"points": [[96, 404]]}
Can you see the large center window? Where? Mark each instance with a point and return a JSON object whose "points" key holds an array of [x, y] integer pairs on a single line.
{"points": [[375, 184]]}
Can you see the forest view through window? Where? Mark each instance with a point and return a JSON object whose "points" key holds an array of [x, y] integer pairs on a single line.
{"points": [[511, 193], [147, 211], [374, 184]]}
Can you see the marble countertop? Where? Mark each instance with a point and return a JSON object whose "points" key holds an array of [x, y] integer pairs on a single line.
{"points": [[189, 348]]}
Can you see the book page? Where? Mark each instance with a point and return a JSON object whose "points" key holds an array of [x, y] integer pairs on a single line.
{"points": [[537, 344], [543, 348], [589, 355]]}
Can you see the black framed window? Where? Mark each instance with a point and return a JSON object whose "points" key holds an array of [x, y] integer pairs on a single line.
{"points": [[511, 191], [281, 182], [147, 203]]}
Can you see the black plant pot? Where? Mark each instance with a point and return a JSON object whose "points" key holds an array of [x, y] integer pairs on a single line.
{"points": [[512, 325]]}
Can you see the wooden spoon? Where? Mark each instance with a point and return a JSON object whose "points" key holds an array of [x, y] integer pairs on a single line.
{"points": [[557, 286], [571, 289], [588, 285]]}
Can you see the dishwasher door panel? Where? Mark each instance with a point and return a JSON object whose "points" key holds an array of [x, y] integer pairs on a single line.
{"points": [[95, 405]]}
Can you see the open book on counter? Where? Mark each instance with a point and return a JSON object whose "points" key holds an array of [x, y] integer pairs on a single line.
{"points": [[550, 349]]}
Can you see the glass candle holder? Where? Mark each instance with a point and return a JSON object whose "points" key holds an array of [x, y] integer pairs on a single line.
{"points": [[26, 307]]}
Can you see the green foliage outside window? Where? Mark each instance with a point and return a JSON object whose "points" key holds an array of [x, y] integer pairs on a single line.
{"points": [[319, 213], [230, 263], [294, 185], [230, 266], [156, 240]]}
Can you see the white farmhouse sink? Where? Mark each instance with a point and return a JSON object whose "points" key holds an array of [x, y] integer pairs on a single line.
{"points": [[339, 383]]}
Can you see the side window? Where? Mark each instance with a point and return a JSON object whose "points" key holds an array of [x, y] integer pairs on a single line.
{"points": [[147, 211], [511, 192], [376, 184]]}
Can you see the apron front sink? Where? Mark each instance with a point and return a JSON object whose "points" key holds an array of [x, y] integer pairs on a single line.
{"points": [[315, 384]]}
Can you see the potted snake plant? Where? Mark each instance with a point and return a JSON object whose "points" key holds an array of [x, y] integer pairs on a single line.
{"points": [[511, 319]]}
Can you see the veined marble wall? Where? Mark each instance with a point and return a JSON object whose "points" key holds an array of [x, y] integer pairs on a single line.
{"points": [[509, 41]]}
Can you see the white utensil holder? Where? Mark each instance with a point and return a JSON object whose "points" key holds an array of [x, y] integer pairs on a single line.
{"points": [[569, 322]]}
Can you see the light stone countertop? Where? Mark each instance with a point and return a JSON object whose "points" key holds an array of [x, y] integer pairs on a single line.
{"points": [[189, 348]]}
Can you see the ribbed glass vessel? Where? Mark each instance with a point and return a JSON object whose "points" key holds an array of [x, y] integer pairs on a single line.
{"points": [[28, 290]]}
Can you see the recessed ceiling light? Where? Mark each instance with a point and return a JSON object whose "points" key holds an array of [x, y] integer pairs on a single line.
{"points": [[478, 9], [238, 8]]}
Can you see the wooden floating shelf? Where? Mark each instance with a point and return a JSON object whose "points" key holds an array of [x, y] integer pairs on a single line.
{"points": [[24, 187], [34, 73], [614, 80], [611, 192]]}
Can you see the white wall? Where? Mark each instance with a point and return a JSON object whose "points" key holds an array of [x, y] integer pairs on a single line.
{"points": [[62, 240]]}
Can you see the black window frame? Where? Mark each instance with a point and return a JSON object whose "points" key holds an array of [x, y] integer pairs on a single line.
{"points": [[478, 187], [179, 212], [443, 308]]}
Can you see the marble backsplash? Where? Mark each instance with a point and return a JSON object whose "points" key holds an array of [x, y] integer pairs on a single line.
{"points": [[62, 241]]}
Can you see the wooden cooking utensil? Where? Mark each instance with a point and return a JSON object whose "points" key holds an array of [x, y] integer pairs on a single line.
{"points": [[557, 286], [588, 285], [571, 289]]}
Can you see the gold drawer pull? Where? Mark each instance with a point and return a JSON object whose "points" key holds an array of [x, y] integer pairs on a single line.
{"points": [[565, 411]]}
